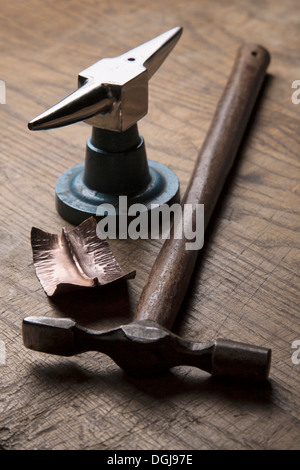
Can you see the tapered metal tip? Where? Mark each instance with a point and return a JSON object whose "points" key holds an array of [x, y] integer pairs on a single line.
{"points": [[153, 53], [83, 103]]}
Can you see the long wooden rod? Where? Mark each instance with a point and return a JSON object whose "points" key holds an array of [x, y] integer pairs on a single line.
{"points": [[169, 278]]}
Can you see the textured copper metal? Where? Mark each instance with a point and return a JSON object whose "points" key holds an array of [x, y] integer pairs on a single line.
{"points": [[74, 259]]}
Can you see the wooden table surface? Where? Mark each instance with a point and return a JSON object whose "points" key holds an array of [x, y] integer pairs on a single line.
{"points": [[246, 282]]}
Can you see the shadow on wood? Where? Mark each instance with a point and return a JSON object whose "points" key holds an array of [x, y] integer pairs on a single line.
{"points": [[94, 307], [166, 386]]}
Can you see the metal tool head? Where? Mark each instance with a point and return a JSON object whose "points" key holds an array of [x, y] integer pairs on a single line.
{"points": [[112, 93], [145, 348]]}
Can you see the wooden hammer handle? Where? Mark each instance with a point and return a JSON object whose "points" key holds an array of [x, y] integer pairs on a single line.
{"points": [[172, 270]]}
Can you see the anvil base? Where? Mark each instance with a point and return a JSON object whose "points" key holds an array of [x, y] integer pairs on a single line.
{"points": [[76, 202]]}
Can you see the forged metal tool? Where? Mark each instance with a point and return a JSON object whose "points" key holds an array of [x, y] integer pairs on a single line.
{"points": [[112, 96], [146, 346]]}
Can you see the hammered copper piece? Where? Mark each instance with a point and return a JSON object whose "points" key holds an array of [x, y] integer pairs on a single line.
{"points": [[74, 259]]}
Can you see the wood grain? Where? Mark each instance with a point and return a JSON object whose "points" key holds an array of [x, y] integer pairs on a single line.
{"points": [[246, 283]]}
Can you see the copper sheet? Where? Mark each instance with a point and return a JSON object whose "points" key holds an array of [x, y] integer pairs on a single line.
{"points": [[74, 259]]}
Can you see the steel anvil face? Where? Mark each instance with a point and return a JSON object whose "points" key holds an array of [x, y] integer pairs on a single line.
{"points": [[126, 85]]}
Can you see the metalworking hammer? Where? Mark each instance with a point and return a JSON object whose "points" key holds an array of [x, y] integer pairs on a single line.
{"points": [[145, 346]]}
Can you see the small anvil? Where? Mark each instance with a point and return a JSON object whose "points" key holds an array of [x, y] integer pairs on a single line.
{"points": [[112, 96]]}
